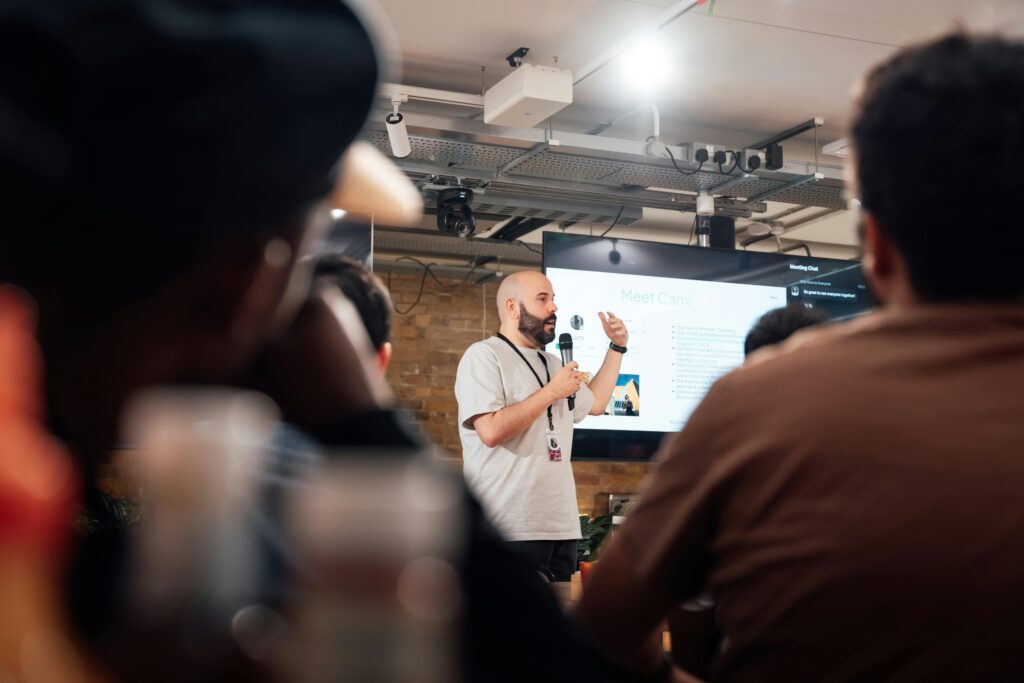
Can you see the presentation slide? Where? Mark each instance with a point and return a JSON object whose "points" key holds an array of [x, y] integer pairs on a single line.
{"points": [[683, 335]]}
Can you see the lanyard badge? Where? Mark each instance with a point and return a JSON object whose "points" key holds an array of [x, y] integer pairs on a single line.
{"points": [[551, 436], [554, 447]]}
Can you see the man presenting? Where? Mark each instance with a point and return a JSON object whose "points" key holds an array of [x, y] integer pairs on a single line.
{"points": [[516, 425]]}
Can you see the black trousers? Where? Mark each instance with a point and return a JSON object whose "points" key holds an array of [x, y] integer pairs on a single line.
{"points": [[556, 560]]}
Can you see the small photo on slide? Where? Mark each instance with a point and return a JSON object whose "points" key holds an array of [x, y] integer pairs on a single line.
{"points": [[576, 322], [625, 400]]}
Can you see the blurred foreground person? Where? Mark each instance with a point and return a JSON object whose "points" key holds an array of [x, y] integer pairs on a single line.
{"points": [[367, 293], [851, 499], [37, 493], [164, 162], [696, 636]]}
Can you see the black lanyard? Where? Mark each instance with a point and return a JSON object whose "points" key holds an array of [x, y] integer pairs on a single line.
{"points": [[551, 419]]}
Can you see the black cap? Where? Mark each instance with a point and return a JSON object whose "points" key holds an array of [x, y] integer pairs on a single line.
{"points": [[131, 119]]}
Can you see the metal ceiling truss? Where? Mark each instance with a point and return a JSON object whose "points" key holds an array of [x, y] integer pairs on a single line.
{"points": [[586, 178], [571, 202], [398, 241]]}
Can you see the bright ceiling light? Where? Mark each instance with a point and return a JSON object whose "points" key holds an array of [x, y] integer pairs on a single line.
{"points": [[646, 66], [337, 214]]}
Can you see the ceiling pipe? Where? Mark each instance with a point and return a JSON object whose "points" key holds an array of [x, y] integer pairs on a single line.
{"points": [[511, 232], [812, 218], [391, 91], [754, 240], [782, 214], [809, 124], [602, 127], [794, 247]]}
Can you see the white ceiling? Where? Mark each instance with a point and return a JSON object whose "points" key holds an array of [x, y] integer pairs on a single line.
{"points": [[752, 68]]}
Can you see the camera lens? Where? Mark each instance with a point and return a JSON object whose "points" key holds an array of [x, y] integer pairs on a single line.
{"points": [[454, 215], [464, 227]]}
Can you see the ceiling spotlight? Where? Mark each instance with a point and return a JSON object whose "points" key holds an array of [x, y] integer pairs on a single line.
{"points": [[337, 214], [705, 210], [646, 65], [398, 135], [705, 204]]}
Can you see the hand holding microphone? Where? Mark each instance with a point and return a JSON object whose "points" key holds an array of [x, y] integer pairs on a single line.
{"points": [[565, 346], [566, 381]]}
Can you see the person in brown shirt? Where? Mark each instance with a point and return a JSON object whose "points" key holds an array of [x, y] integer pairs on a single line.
{"points": [[852, 498]]}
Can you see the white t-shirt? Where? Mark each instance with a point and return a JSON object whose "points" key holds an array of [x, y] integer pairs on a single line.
{"points": [[525, 494]]}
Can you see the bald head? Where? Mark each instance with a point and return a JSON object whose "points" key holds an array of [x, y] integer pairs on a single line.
{"points": [[526, 305], [518, 287]]}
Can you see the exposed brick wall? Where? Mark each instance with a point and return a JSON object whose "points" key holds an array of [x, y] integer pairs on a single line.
{"points": [[428, 343]]}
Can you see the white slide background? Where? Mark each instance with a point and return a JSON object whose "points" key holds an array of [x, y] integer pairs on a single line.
{"points": [[683, 334]]}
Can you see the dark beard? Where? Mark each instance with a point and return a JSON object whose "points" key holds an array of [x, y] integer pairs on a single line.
{"points": [[532, 327]]}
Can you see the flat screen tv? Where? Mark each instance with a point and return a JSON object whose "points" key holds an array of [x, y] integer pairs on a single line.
{"points": [[688, 310]]}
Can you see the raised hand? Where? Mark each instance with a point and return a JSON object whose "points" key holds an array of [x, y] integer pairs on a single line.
{"points": [[614, 328]]}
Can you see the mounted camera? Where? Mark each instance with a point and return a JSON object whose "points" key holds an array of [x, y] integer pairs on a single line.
{"points": [[454, 216]]}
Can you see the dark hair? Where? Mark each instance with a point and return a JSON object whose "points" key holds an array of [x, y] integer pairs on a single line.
{"points": [[779, 324], [938, 138], [364, 289], [138, 139]]}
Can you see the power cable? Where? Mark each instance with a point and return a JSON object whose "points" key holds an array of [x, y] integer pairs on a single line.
{"points": [[427, 270], [735, 163], [617, 217], [672, 158], [419, 295], [524, 244]]}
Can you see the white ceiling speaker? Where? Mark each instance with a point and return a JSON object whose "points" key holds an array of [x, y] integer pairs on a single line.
{"points": [[528, 96]]}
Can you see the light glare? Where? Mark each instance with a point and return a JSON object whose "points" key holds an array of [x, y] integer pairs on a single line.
{"points": [[647, 65]]}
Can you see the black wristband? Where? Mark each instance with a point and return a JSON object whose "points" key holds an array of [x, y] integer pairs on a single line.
{"points": [[615, 347]]}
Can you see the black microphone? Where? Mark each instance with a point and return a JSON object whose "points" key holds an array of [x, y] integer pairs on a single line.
{"points": [[565, 346]]}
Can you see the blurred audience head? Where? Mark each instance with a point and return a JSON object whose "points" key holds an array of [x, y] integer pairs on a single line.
{"points": [[369, 295], [779, 324], [163, 162], [954, 103]]}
